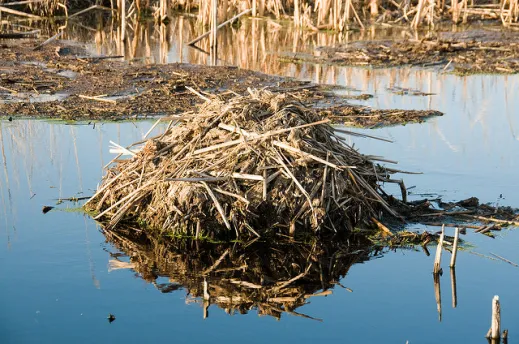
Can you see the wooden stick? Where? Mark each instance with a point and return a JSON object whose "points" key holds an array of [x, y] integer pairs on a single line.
{"points": [[8, 90], [218, 206], [196, 180], [504, 259], [123, 149], [265, 184], [218, 261], [53, 38], [199, 38], [111, 101], [17, 35], [151, 129], [495, 329], [197, 93], [491, 219], [453, 288], [305, 154], [19, 13], [260, 136], [86, 10], [455, 247], [16, 3], [438, 295], [214, 32], [437, 259], [383, 228]]}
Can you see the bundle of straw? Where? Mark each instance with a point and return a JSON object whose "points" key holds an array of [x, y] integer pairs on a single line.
{"points": [[249, 166]]}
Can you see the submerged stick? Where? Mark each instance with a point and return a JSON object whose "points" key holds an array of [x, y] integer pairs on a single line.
{"points": [[504, 259], [437, 259], [98, 98], [438, 295], [89, 9], [199, 38], [215, 265], [453, 288], [19, 13], [53, 38]]}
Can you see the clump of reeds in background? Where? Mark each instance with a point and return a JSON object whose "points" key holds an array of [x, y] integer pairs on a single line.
{"points": [[316, 15]]}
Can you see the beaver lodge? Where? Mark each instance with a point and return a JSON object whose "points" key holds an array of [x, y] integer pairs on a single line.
{"points": [[251, 166]]}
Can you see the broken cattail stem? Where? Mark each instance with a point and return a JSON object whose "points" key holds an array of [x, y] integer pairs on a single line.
{"points": [[453, 288], [437, 259], [199, 38], [214, 31], [438, 295], [455, 247], [496, 318], [52, 39], [206, 292]]}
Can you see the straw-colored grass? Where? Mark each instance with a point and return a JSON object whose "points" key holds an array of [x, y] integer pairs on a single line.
{"points": [[336, 15]]}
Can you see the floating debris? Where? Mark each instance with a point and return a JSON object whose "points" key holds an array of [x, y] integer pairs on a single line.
{"points": [[489, 52], [46, 208]]}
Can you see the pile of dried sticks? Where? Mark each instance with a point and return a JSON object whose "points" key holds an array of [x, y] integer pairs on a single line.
{"points": [[245, 167]]}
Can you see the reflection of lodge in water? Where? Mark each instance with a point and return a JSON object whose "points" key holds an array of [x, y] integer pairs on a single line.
{"points": [[272, 279]]}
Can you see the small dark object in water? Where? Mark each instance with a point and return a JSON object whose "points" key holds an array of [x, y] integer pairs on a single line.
{"points": [[111, 317], [10, 119], [46, 209]]}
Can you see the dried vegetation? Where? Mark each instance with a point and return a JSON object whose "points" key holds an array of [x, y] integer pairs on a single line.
{"points": [[317, 15], [478, 51], [64, 81], [248, 167]]}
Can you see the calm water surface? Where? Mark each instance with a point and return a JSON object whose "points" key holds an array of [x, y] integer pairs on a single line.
{"points": [[57, 284]]}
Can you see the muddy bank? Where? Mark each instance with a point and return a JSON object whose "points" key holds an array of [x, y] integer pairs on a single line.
{"points": [[63, 81], [470, 52]]}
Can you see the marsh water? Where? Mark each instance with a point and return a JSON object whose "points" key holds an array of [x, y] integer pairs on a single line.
{"points": [[59, 281]]}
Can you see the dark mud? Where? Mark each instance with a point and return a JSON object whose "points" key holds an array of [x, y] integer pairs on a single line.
{"points": [[470, 52], [62, 81]]}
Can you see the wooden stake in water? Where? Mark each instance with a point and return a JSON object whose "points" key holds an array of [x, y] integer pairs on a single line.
{"points": [[495, 329], [455, 247], [438, 258]]}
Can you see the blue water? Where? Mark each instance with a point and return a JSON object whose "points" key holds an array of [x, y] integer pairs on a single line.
{"points": [[57, 285]]}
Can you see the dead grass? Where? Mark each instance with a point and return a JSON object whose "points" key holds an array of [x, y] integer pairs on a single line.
{"points": [[247, 167]]}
